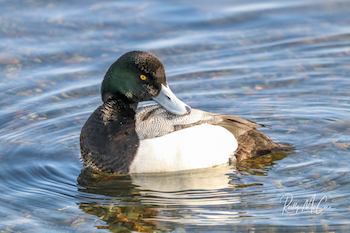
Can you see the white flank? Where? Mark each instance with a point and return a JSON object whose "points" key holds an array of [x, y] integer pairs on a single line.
{"points": [[191, 148]]}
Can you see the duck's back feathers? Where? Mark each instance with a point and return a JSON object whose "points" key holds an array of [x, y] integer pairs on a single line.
{"points": [[154, 121]]}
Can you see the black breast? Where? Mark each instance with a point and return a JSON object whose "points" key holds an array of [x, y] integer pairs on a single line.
{"points": [[108, 140]]}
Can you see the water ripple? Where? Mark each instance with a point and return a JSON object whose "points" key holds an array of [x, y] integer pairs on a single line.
{"points": [[283, 64]]}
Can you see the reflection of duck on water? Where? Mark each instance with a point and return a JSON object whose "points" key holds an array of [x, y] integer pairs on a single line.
{"points": [[134, 201], [166, 201], [122, 137]]}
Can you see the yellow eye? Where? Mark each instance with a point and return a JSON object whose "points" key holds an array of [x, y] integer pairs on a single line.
{"points": [[143, 77]]}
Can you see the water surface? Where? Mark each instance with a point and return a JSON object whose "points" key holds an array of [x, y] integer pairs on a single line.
{"points": [[282, 64]]}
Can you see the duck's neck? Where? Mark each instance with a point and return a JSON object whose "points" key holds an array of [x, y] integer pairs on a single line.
{"points": [[114, 109], [117, 99]]}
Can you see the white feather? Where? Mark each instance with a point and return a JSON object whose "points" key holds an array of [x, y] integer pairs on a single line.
{"points": [[191, 148]]}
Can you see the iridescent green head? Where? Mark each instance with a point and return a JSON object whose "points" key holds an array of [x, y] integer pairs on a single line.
{"points": [[139, 76]]}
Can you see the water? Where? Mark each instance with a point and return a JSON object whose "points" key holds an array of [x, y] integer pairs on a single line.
{"points": [[283, 64]]}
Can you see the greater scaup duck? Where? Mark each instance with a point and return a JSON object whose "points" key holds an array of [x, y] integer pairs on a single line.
{"points": [[121, 137]]}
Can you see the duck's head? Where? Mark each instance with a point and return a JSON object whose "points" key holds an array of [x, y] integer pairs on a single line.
{"points": [[139, 76]]}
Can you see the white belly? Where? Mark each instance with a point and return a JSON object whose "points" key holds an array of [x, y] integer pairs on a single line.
{"points": [[191, 148]]}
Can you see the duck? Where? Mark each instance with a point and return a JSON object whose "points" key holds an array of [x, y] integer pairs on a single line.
{"points": [[124, 136]]}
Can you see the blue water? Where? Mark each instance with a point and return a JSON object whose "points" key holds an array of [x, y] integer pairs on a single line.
{"points": [[284, 64]]}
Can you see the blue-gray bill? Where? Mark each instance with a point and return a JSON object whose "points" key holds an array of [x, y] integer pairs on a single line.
{"points": [[170, 102]]}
